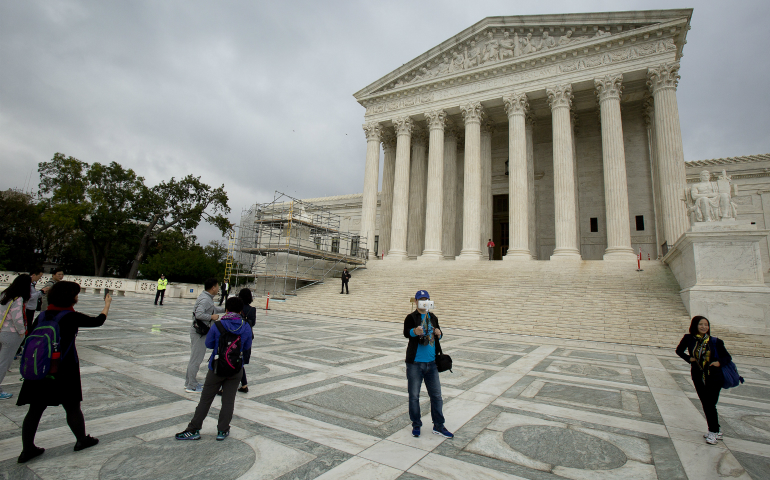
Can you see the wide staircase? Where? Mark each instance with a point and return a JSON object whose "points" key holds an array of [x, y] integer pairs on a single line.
{"points": [[587, 300]]}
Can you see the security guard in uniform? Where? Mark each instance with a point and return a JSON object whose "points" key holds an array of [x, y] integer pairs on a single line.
{"points": [[161, 291]]}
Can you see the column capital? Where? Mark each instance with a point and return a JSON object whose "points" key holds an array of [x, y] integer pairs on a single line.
{"points": [[419, 136], [388, 141], [450, 129], [648, 110], [373, 131], [472, 112], [560, 96], [609, 87], [516, 104], [663, 76], [436, 119], [403, 125], [487, 127], [529, 120]]}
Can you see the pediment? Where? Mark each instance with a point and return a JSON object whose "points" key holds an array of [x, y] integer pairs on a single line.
{"points": [[498, 41]]}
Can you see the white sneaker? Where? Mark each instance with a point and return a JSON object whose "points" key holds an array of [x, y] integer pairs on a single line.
{"points": [[197, 389], [711, 438], [718, 435]]}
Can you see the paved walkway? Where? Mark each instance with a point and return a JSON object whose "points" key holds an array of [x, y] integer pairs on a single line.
{"points": [[328, 400]]}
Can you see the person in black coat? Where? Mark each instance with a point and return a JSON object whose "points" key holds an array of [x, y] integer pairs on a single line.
{"points": [[64, 388], [705, 354], [345, 279], [249, 314]]}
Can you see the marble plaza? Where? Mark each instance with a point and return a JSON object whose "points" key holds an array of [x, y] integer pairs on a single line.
{"points": [[328, 400]]}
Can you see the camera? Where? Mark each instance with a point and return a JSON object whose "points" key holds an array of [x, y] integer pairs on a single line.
{"points": [[423, 340]]}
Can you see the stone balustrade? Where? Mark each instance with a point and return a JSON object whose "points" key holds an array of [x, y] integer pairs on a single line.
{"points": [[118, 286]]}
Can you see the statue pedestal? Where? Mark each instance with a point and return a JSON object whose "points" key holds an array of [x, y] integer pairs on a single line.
{"points": [[719, 268]]}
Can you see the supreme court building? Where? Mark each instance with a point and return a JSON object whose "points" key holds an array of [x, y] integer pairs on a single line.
{"points": [[557, 136]]}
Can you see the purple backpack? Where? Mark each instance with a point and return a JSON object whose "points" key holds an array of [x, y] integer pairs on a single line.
{"points": [[41, 355]]}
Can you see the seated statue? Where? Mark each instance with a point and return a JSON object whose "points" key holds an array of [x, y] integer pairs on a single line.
{"points": [[711, 201]]}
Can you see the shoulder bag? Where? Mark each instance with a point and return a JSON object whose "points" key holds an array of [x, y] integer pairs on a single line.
{"points": [[729, 370]]}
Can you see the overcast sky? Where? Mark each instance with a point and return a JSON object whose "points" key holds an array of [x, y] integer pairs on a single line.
{"points": [[258, 95]]}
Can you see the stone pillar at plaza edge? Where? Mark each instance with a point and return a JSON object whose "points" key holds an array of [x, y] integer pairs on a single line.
{"points": [[386, 202], [434, 203], [487, 128], [670, 155], [403, 127], [371, 180], [530, 127], [560, 99], [516, 107], [449, 212], [608, 90], [418, 181], [473, 113]]}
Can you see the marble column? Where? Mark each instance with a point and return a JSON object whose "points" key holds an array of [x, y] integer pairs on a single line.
{"points": [[473, 113], [397, 251], [418, 180], [608, 91], [486, 221], [648, 116], [670, 155], [371, 173], [434, 203], [449, 211], [530, 127], [388, 177], [560, 100], [516, 106]]}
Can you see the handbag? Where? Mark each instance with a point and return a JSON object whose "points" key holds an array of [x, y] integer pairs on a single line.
{"points": [[443, 361], [729, 370], [200, 327]]}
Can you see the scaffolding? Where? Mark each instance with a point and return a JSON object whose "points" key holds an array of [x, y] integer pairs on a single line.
{"points": [[287, 244], [230, 259]]}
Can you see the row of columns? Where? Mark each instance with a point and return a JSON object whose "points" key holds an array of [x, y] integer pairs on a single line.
{"points": [[416, 208]]}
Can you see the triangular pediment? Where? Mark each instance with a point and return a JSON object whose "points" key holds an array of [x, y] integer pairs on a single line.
{"points": [[495, 42]]}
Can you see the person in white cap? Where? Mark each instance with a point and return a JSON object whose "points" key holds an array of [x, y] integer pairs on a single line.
{"points": [[422, 329]]}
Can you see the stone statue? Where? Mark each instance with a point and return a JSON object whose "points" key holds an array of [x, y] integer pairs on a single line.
{"points": [[507, 47], [445, 66], [526, 45], [472, 56], [565, 39], [601, 33], [547, 42], [458, 62], [711, 201], [491, 49]]}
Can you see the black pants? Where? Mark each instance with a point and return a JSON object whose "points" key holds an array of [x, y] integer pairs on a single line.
{"points": [[223, 298], [161, 294], [709, 396], [345, 287], [243, 378], [75, 421], [211, 386]]}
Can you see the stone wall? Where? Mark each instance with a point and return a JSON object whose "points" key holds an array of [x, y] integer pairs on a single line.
{"points": [[118, 286]]}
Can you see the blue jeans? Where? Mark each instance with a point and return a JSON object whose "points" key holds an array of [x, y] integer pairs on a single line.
{"points": [[415, 373]]}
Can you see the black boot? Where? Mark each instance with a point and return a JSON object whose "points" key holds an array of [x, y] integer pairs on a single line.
{"points": [[27, 455], [86, 442]]}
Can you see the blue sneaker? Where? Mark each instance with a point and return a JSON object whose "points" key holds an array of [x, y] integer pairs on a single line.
{"points": [[443, 432], [5, 396], [222, 435], [415, 431], [196, 435]]}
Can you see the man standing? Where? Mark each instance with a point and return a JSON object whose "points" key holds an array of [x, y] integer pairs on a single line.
{"points": [[422, 329], [225, 291], [204, 314], [57, 276], [161, 291], [34, 294], [490, 248], [231, 326], [345, 280]]}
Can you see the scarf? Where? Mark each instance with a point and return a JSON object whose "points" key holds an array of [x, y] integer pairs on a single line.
{"points": [[60, 309], [702, 354], [427, 328]]}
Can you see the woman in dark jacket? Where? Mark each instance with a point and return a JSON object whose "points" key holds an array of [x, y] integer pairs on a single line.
{"points": [[249, 314], [705, 354], [64, 389]]}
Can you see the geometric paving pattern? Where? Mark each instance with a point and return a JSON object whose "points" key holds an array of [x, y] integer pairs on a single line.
{"points": [[328, 400]]}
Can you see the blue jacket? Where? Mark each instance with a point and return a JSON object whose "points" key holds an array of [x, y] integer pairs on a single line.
{"points": [[234, 323]]}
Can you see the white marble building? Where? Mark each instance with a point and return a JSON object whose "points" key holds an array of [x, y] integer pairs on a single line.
{"points": [[556, 135]]}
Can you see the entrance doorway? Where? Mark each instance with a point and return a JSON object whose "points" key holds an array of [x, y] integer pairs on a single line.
{"points": [[500, 232]]}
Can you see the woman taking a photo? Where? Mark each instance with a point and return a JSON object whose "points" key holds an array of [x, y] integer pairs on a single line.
{"points": [[705, 356], [249, 314], [64, 387], [12, 323]]}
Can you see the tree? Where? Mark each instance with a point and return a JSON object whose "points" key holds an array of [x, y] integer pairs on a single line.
{"points": [[180, 259], [27, 239], [181, 205], [98, 200]]}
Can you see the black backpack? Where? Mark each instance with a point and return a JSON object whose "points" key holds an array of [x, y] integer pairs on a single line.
{"points": [[228, 359]]}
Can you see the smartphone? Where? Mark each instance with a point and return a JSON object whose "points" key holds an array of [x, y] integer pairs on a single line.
{"points": [[106, 292]]}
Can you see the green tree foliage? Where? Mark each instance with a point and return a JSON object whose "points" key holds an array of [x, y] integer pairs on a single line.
{"points": [[100, 201], [26, 238], [181, 205], [180, 259]]}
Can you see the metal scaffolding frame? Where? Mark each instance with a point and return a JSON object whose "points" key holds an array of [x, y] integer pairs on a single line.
{"points": [[288, 244]]}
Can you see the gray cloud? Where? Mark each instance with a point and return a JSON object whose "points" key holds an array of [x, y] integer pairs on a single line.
{"points": [[258, 95]]}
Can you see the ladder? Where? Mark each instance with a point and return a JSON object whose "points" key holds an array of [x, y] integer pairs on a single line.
{"points": [[230, 259]]}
